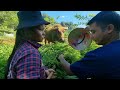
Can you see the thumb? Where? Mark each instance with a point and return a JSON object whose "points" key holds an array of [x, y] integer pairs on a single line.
{"points": [[47, 72]]}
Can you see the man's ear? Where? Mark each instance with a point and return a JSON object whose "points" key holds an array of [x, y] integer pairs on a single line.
{"points": [[110, 28]]}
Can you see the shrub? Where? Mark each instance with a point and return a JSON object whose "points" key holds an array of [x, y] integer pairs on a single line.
{"points": [[50, 52], [5, 51]]}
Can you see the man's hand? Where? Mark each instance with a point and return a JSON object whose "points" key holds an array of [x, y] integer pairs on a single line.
{"points": [[65, 64], [60, 57]]}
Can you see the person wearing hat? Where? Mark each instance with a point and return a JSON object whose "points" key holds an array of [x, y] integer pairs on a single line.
{"points": [[25, 61], [103, 62]]}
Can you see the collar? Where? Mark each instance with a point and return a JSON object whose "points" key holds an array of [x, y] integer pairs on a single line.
{"points": [[34, 43]]}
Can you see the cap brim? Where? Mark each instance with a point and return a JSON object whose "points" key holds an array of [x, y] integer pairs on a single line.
{"points": [[79, 38], [24, 25], [46, 23]]}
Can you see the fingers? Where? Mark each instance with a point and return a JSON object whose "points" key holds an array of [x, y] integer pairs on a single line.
{"points": [[50, 73], [52, 76], [51, 70], [47, 72], [61, 56]]}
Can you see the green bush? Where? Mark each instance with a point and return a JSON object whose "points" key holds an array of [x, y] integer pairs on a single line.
{"points": [[50, 52], [5, 51]]}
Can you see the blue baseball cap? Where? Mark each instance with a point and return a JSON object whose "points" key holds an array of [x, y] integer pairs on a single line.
{"points": [[30, 18]]}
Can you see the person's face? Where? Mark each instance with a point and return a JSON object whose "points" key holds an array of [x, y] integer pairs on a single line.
{"points": [[40, 34], [99, 36]]}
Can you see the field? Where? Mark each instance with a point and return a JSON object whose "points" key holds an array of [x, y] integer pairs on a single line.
{"points": [[49, 54]]}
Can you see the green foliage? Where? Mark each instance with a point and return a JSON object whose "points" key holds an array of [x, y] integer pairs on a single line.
{"points": [[87, 17], [48, 18], [51, 52], [71, 77], [5, 51], [66, 33], [83, 19], [70, 25], [8, 19]]}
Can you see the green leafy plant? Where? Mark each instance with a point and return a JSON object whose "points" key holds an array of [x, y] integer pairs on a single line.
{"points": [[5, 51], [51, 52]]}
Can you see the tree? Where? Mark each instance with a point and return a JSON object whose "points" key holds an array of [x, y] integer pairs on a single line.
{"points": [[70, 25], [84, 19], [48, 18], [63, 24], [8, 20]]}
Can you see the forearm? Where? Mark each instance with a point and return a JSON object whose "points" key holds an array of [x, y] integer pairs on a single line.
{"points": [[66, 66]]}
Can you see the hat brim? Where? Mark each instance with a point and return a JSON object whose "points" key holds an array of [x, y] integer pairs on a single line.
{"points": [[79, 38], [31, 24], [46, 23]]}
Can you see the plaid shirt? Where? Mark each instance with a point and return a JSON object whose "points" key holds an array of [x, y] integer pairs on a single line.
{"points": [[27, 63]]}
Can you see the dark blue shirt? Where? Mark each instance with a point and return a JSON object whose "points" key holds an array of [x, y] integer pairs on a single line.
{"points": [[101, 63]]}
